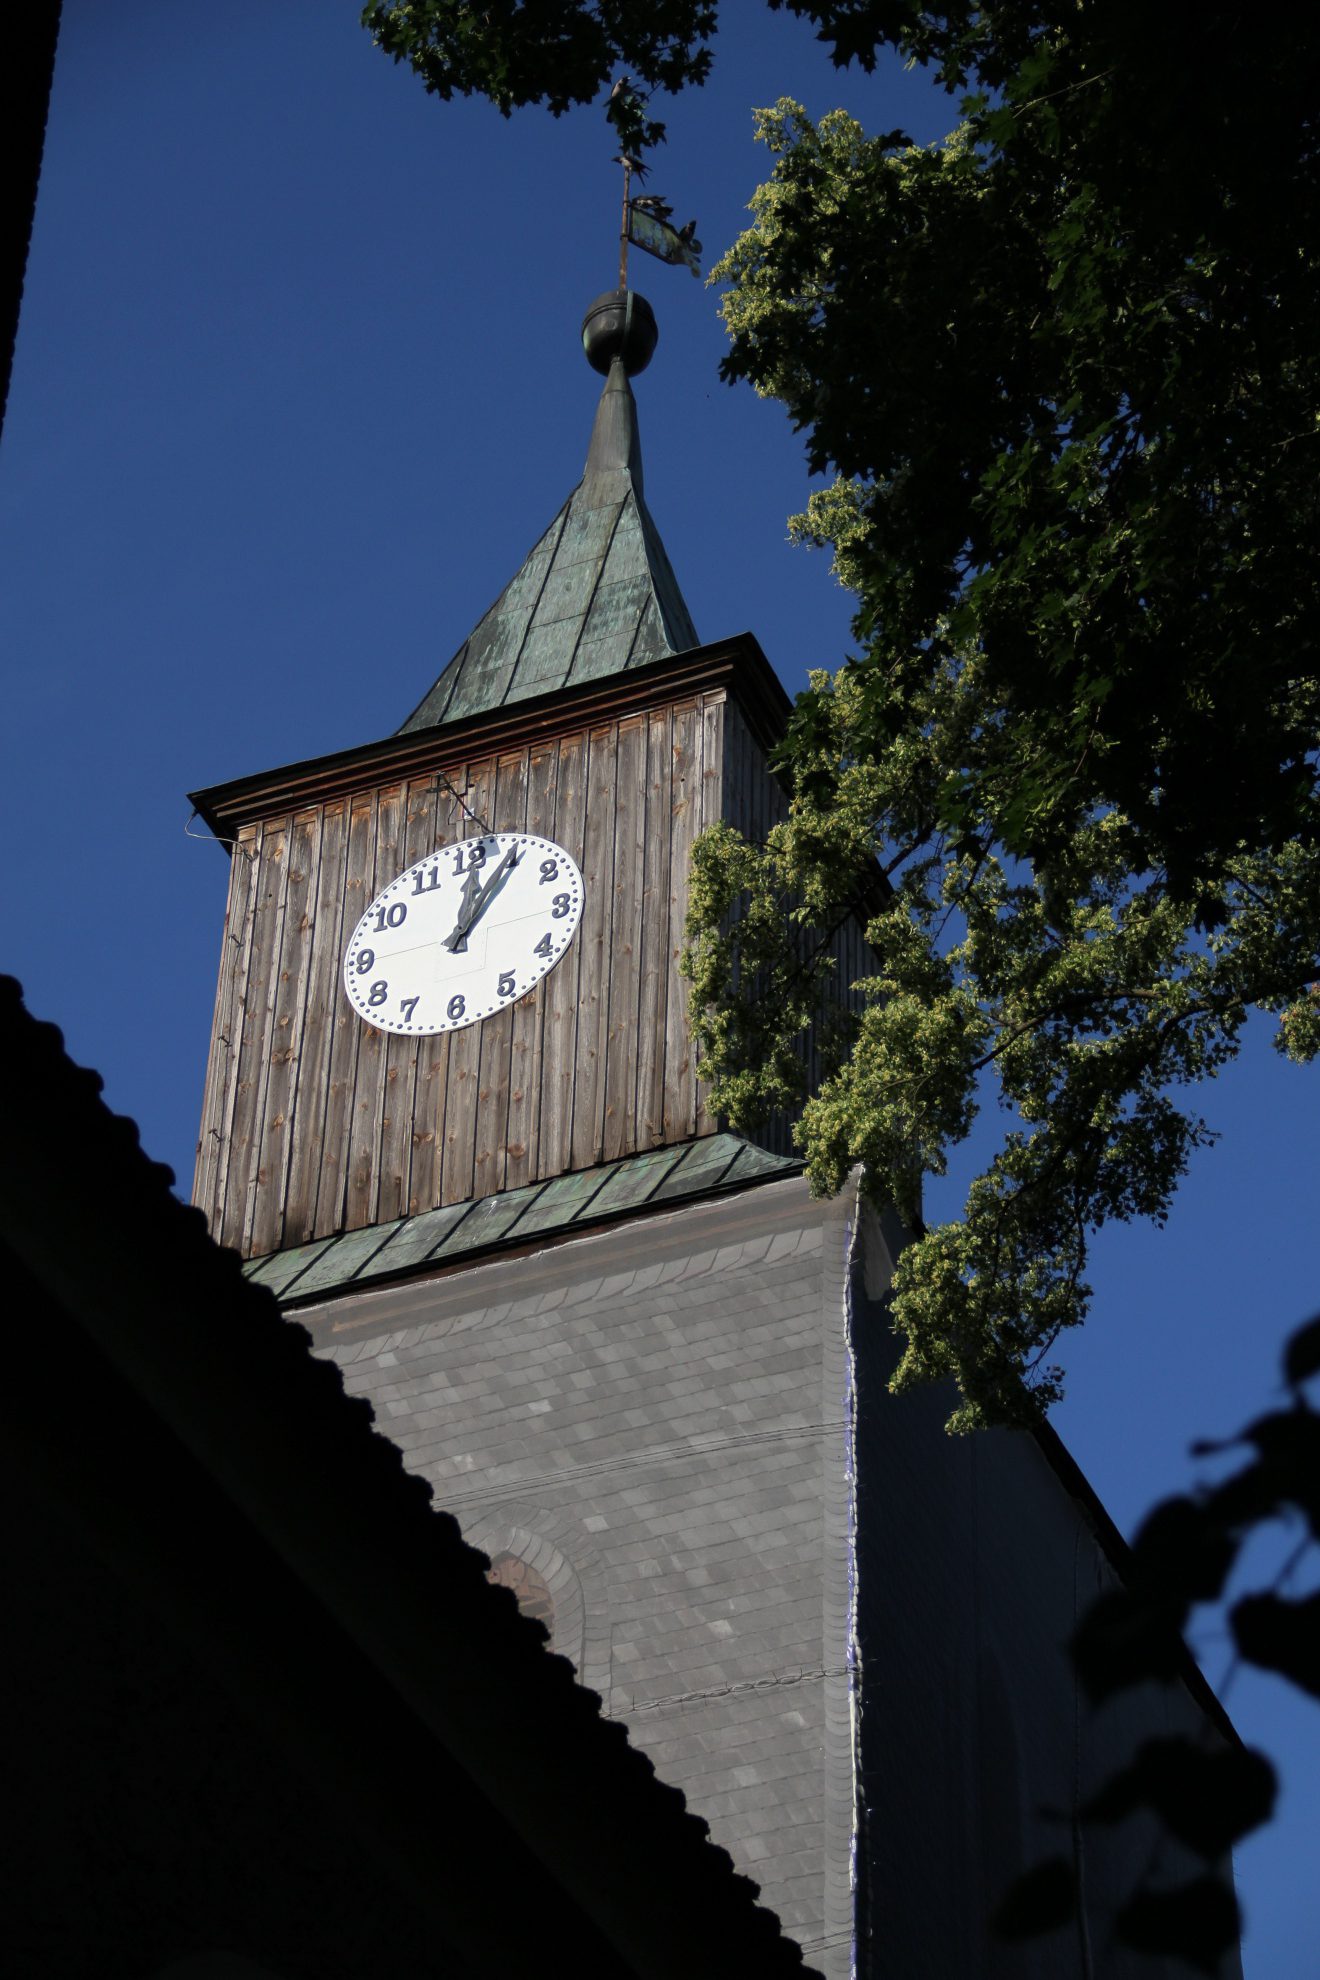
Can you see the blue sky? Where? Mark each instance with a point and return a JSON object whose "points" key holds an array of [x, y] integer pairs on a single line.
{"points": [[297, 385]]}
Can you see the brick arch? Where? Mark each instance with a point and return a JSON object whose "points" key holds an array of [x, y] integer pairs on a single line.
{"points": [[528, 1586], [553, 1548]]}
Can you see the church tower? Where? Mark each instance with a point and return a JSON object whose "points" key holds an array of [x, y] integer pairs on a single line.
{"points": [[452, 1120], [581, 713]]}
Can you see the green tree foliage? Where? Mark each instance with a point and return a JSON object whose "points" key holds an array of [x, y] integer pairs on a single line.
{"points": [[1206, 1793], [1062, 368], [555, 52]]}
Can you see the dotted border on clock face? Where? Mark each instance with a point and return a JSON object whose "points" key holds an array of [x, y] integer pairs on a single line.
{"points": [[405, 887]]}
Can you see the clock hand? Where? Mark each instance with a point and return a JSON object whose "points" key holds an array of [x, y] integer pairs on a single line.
{"points": [[491, 888], [456, 940], [474, 905]]}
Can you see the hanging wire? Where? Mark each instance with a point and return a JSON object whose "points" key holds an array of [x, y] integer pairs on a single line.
{"points": [[215, 839], [249, 852]]}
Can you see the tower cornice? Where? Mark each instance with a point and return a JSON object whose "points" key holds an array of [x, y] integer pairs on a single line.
{"points": [[737, 666]]}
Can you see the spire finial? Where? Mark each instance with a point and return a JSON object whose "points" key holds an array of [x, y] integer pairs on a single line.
{"points": [[620, 324]]}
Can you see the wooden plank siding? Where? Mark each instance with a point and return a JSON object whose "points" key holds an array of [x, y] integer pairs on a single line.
{"points": [[266, 1201], [679, 1081], [331, 1180], [593, 944], [257, 998], [653, 993], [623, 957], [316, 1123], [326, 938], [562, 987], [523, 1134], [217, 1100]]}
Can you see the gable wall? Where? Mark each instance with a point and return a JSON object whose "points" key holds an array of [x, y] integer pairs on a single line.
{"points": [[653, 1421]]}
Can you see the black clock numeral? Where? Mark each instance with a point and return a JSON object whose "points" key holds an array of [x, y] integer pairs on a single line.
{"points": [[506, 983], [457, 1006], [365, 958], [426, 883], [379, 992], [544, 946], [391, 917], [559, 907], [549, 870], [476, 856], [408, 1005]]}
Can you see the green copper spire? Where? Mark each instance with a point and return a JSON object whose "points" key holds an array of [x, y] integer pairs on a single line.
{"points": [[596, 595]]}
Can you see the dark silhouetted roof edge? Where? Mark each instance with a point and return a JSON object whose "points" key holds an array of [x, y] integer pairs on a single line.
{"points": [[94, 1222]]}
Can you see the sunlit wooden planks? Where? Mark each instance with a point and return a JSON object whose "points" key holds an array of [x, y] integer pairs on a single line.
{"points": [[679, 1078], [289, 1010], [653, 990], [595, 960], [624, 956], [313, 1047], [523, 1131], [256, 999], [316, 1123], [561, 988], [221, 1080]]}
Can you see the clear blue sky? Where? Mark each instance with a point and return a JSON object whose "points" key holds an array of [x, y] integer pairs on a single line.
{"points": [[297, 385]]}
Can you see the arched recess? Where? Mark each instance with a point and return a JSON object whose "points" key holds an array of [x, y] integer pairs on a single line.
{"points": [[556, 1553]]}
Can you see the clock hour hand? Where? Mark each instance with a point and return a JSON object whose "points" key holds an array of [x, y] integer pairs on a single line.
{"points": [[456, 940], [476, 899]]}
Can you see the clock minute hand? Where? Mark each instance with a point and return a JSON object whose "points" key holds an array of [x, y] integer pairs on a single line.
{"points": [[477, 899]]}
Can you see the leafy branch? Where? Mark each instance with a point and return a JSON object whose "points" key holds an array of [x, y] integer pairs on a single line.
{"points": [[1085, 992], [1207, 1792]]}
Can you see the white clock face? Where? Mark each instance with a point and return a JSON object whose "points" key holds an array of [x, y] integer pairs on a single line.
{"points": [[466, 931]]}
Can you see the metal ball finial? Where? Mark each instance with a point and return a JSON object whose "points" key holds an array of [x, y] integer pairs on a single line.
{"points": [[620, 324]]}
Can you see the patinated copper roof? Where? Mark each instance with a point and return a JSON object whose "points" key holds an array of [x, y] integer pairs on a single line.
{"points": [[543, 1211], [594, 596]]}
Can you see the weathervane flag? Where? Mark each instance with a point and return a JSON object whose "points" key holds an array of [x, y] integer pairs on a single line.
{"points": [[666, 243]]}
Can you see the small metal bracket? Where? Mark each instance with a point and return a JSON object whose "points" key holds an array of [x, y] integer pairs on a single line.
{"points": [[443, 783]]}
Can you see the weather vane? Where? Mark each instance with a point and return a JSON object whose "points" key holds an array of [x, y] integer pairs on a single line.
{"points": [[646, 217]]}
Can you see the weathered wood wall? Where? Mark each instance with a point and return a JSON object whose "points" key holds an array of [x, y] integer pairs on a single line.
{"points": [[315, 1122]]}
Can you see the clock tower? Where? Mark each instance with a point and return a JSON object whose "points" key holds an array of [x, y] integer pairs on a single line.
{"points": [[452, 1120], [369, 1062]]}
